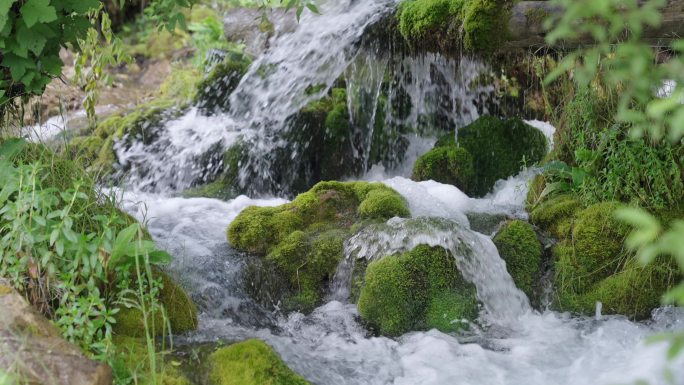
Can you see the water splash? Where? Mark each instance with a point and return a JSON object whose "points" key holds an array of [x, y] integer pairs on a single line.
{"points": [[476, 257]]}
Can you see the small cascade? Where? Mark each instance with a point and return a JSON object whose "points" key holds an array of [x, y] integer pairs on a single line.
{"points": [[475, 254], [392, 100], [341, 282]]}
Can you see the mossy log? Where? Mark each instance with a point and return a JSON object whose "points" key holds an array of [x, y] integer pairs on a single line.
{"points": [[526, 25]]}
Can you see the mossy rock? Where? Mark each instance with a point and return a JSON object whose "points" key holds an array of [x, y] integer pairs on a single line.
{"points": [[299, 245], [449, 164], [213, 92], [518, 245], [180, 311], [635, 291], [417, 290], [227, 185], [598, 238], [447, 25], [130, 361], [432, 22], [556, 215], [592, 265], [499, 149], [251, 362], [485, 24]]}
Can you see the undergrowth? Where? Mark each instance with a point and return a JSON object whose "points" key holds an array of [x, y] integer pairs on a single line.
{"points": [[73, 254]]}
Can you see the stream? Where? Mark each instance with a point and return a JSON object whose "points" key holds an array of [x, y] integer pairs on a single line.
{"points": [[515, 345]]}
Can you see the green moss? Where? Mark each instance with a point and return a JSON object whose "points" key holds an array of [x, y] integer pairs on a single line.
{"points": [[382, 204], [556, 215], [438, 24], [449, 164], [518, 245], [251, 362], [498, 149], [400, 291], [130, 362], [300, 243], [181, 85], [181, 313], [635, 291], [213, 92], [430, 21], [227, 185], [598, 239], [451, 311], [592, 266], [485, 24]]}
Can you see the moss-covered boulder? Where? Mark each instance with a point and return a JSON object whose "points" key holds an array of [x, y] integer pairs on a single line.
{"points": [[497, 149], [417, 290], [598, 239], [227, 184], [251, 362], [449, 164], [180, 311], [591, 265], [518, 245], [299, 245], [556, 215], [213, 92], [448, 25]]}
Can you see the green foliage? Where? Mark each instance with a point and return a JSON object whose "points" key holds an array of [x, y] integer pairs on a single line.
{"points": [[251, 362], [70, 250], [518, 245], [300, 243], [178, 310], [417, 290], [607, 164], [31, 34], [449, 164]]}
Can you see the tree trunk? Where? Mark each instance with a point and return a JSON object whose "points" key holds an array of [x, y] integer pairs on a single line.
{"points": [[526, 25]]}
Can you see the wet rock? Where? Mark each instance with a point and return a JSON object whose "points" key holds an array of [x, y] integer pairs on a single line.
{"points": [[251, 362], [250, 27], [300, 244], [32, 349]]}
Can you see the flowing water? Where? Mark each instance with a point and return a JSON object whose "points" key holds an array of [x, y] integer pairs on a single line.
{"points": [[513, 344]]}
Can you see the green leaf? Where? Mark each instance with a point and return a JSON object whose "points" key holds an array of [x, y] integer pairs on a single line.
{"points": [[52, 65], [312, 7], [32, 39], [123, 242], [81, 6], [17, 65], [5, 6], [35, 11]]}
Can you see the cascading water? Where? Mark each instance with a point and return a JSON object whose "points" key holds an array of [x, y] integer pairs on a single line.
{"points": [[330, 346], [423, 94]]}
